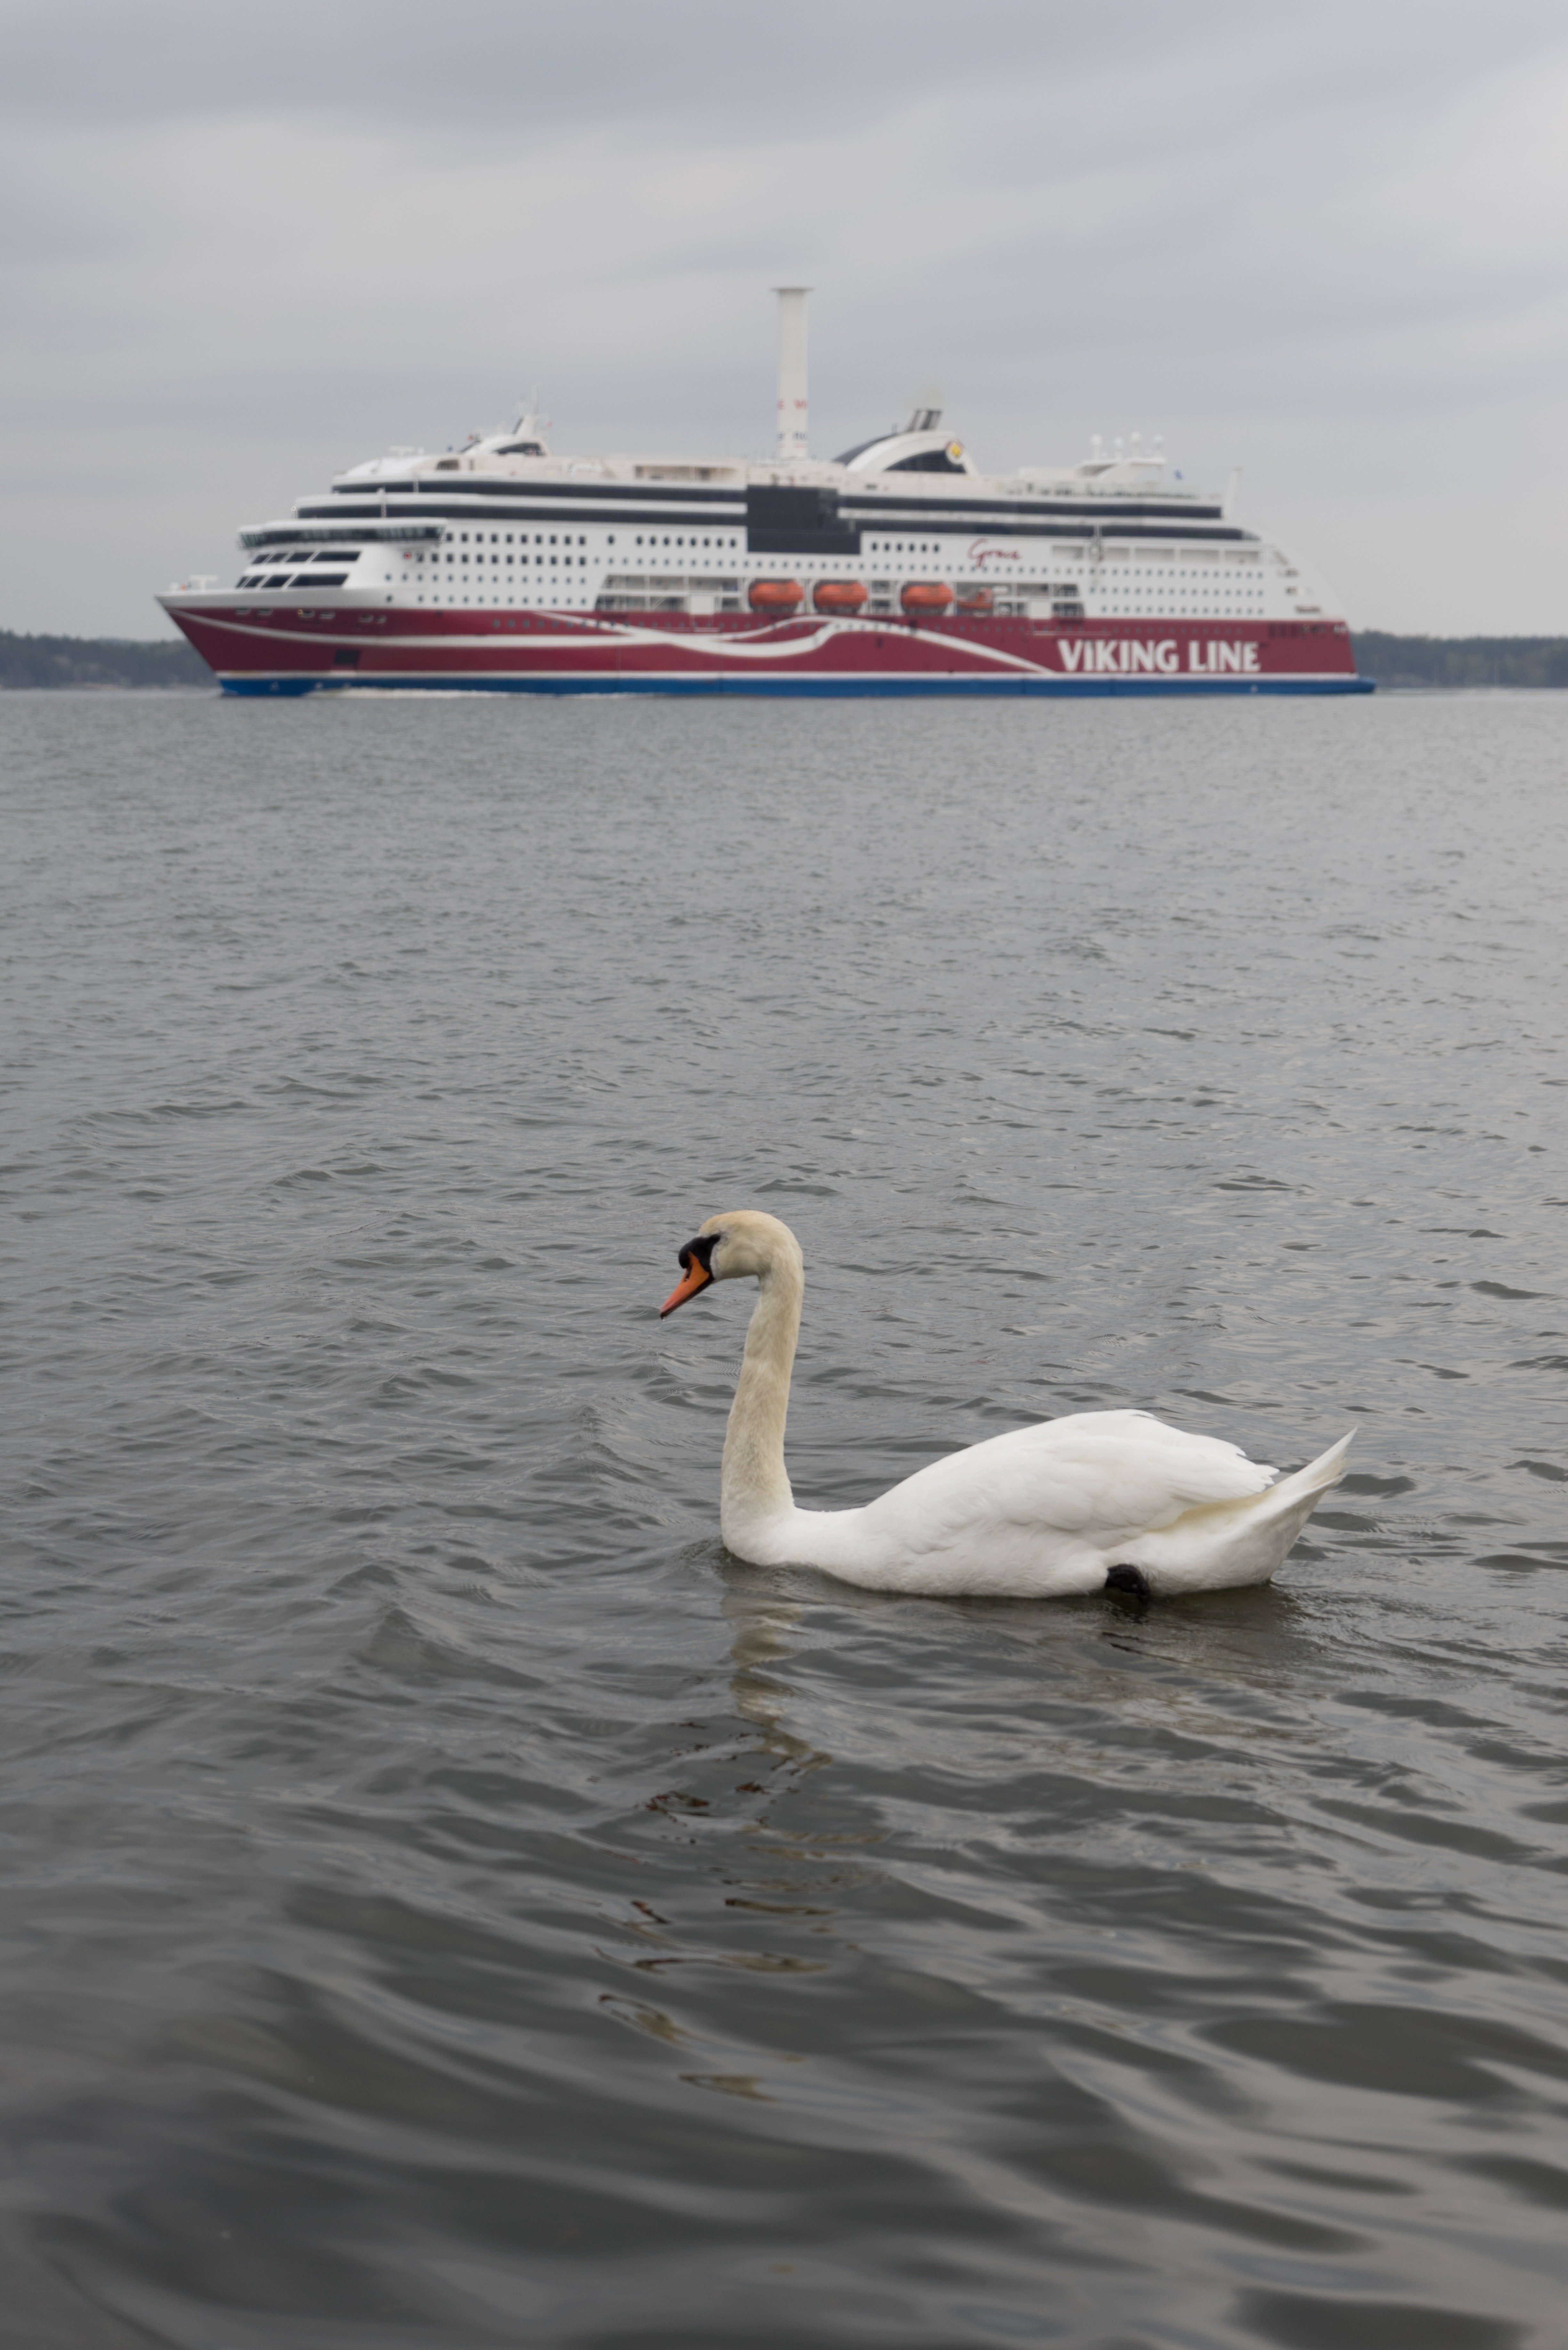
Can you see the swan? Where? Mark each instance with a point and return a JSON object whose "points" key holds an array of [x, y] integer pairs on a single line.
{"points": [[1094, 1500]]}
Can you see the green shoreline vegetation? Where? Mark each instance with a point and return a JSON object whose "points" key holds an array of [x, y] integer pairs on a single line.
{"points": [[1392, 661], [1460, 660], [97, 660]]}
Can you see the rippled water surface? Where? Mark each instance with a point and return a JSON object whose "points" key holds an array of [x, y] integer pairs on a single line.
{"points": [[453, 1903]]}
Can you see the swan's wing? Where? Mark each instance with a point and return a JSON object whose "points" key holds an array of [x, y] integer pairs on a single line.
{"points": [[1134, 1471], [1055, 1499]]}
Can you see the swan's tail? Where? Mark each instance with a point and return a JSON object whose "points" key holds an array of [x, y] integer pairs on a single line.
{"points": [[1224, 1543]]}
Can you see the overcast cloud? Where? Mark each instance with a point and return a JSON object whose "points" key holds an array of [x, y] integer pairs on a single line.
{"points": [[242, 249]]}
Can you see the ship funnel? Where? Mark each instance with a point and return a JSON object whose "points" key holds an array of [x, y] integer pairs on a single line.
{"points": [[792, 370]]}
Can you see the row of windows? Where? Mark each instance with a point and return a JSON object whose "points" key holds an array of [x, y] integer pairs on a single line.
{"points": [[294, 579], [928, 549], [555, 562], [321, 579], [643, 539], [550, 538], [293, 555], [1007, 593]]}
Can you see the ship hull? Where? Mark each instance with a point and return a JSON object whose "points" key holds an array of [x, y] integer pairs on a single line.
{"points": [[277, 652]]}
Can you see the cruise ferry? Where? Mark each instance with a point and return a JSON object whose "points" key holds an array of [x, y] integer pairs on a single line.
{"points": [[899, 567]]}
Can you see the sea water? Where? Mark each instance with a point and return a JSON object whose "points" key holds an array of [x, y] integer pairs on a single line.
{"points": [[451, 1902]]}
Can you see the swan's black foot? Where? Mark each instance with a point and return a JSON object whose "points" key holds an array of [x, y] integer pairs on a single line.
{"points": [[1130, 1579]]}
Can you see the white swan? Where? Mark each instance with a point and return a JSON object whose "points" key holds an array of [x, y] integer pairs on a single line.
{"points": [[1096, 1499]]}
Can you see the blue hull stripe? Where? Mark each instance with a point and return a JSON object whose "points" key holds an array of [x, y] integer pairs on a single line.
{"points": [[812, 688]]}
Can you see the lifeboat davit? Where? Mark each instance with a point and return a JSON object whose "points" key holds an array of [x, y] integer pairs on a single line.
{"points": [[776, 596], [838, 596], [975, 600], [927, 595]]}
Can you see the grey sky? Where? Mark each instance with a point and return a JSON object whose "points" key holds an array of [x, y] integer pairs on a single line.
{"points": [[242, 249]]}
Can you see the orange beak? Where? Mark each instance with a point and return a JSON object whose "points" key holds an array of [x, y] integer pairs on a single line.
{"points": [[696, 1277]]}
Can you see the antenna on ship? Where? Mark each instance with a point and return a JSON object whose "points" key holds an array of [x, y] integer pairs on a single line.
{"points": [[792, 370], [529, 419]]}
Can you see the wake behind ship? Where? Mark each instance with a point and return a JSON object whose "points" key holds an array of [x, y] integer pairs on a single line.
{"points": [[896, 567]]}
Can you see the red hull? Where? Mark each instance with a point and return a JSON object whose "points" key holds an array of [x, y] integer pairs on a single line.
{"points": [[254, 650]]}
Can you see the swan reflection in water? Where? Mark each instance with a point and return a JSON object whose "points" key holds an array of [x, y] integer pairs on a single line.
{"points": [[760, 1624]]}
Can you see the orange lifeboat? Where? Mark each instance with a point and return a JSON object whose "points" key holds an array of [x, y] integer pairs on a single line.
{"points": [[838, 596], [976, 601], [926, 596], [776, 596]]}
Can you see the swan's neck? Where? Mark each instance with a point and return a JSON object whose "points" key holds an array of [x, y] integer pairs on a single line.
{"points": [[753, 1484]]}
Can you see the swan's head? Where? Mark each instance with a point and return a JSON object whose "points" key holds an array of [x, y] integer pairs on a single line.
{"points": [[743, 1241]]}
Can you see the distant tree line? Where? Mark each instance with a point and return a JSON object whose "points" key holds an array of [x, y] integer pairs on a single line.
{"points": [[1460, 660], [97, 660], [1392, 661]]}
